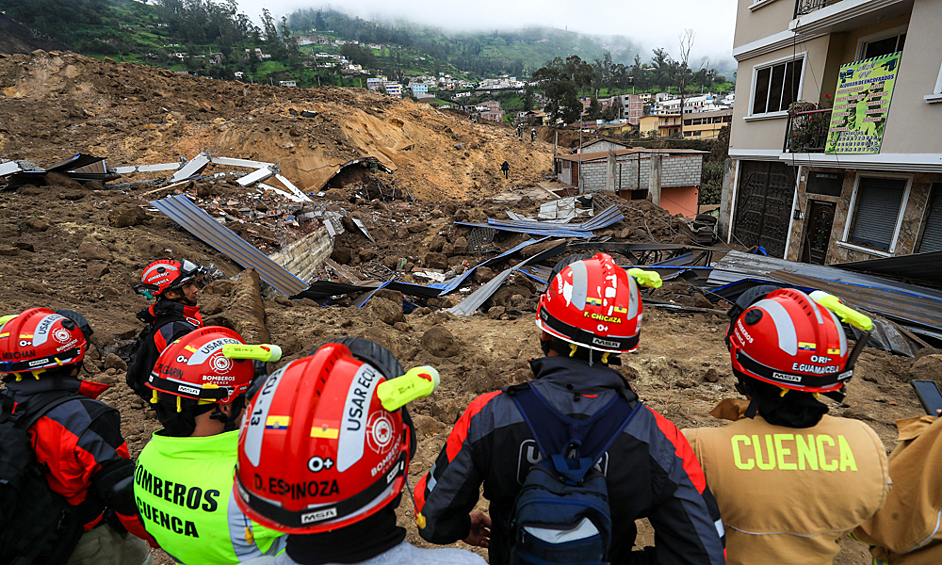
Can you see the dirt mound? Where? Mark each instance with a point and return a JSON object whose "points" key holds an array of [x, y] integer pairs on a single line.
{"points": [[57, 104]]}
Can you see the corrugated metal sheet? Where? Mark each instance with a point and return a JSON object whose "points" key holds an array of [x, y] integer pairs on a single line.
{"points": [[455, 282], [737, 265], [474, 301], [919, 266], [602, 220], [181, 210]]}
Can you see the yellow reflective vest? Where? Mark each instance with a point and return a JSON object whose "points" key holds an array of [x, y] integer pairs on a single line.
{"points": [[183, 491]]}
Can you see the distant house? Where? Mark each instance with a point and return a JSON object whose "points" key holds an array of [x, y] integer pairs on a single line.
{"points": [[597, 145], [706, 125], [393, 89], [628, 172], [493, 115], [215, 58], [287, 83], [375, 83], [418, 89]]}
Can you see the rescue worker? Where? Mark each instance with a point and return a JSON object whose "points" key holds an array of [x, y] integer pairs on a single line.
{"points": [[77, 442], [906, 530], [790, 480], [322, 458], [174, 286], [183, 482], [590, 313], [505, 168]]}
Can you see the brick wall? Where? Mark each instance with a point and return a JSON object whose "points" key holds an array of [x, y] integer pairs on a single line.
{"points": [[676, 171], [302, 257]]}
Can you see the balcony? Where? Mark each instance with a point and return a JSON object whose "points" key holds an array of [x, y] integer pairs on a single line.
{"points": [[805, 7], [807, 130]]}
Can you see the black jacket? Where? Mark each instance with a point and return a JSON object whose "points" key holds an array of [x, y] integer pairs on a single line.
{"points": [[651, 471], [166, 321]]}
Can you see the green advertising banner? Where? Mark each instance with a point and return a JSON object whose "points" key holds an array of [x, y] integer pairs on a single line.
{"points": [[861, 103]]}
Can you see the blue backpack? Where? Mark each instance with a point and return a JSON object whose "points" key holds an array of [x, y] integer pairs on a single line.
{"points": [[562, 514]]}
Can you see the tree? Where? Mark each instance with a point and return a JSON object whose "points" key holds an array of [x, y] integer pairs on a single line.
{"points": [[319, 23], [559, 89], [686, 44]]}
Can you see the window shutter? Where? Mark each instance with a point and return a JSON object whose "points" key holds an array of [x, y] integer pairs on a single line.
{"points": [[878, 202], [932, 235]]}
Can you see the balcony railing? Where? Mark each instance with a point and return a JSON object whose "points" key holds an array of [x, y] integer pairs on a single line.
{"points": [[807, 131], [803, 7]]}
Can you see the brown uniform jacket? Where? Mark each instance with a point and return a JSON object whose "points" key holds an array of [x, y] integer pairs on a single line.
{"points": [[787, 495], [906, 530]]}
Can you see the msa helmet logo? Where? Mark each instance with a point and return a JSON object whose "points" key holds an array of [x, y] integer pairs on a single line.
{"points": [[188, 390], [604, 342], [318, 516], [786, 377]]}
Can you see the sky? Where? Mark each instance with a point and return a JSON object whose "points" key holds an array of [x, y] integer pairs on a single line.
{"points": [[653, 23]]}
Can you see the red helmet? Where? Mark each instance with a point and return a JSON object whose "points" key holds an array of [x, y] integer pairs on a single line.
{"points": [[40, 339], [196, 367], [592, 303], [318, 451], [787, 339], [168, 274]]}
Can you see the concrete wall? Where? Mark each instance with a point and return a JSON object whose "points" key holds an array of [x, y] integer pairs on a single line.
{"points": [[603, 145], [912, 125], [909, 234], [761, 23], [769, 134]]}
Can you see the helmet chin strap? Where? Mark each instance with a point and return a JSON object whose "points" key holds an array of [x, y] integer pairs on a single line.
{"points": [[229, 422]]}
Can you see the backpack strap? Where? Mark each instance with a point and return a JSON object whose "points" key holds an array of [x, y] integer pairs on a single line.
{"points": [[29, 412], [559, 434]]}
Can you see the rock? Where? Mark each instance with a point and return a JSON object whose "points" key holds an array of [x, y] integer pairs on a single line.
{"points": [[461, 246], [284, 301], [701, 301], [446, 411], [222, 286], [246, 310], [416, 227], [385, 310], [685, 383], [450, 208], [213, 306], [402, 233], [495, 312], [482, 275], [436, 261], [348, 225], [437, 243], [366, 254], [72, 195], [440, 342], [711, 376], [25, 246], [35, 286], [93, 250], [37, 224], [96, 269], [448, 250], [392, 295], [126, 215], [112, 361], [927, 367], [64, 181], [9, 231], [857, 413], [9, 250], [403, 327], [341, 255], [427, 426]]}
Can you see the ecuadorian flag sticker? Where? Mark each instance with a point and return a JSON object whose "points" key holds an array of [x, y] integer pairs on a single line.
{"points": [[277, 422], [620, 310], [324, 431], [595, 301], [804, 345], [834, 351]]}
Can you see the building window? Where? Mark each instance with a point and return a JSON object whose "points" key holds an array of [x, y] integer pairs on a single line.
{"points": [[932, 230], [826, 184], [883, 43], [776, 86], [878, 205]]}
